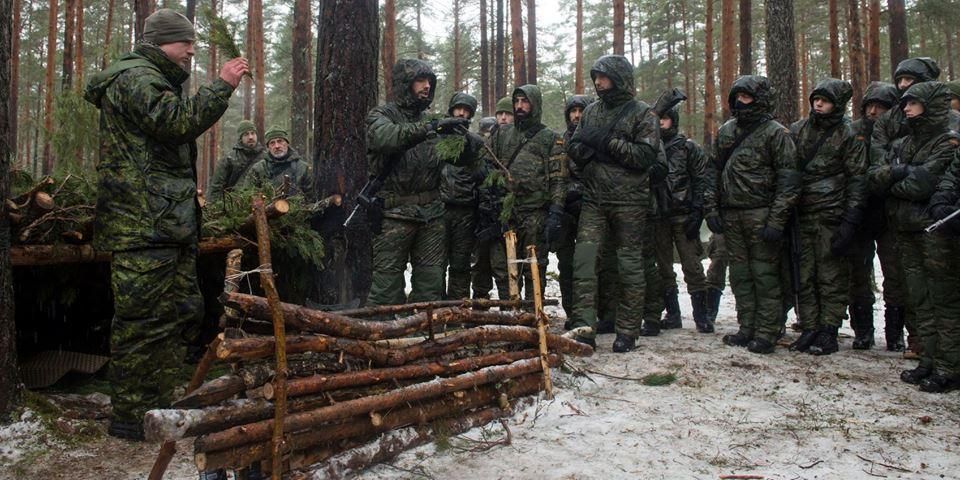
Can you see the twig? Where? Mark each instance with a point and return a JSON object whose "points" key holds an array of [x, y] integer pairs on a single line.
{"points": [[873, 474], [62, 184], [894, 467], [818, 462], [742, 477], [608, 375], [576, 411]]}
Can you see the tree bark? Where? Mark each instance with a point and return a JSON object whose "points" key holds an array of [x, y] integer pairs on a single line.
{"points": [[516, 40], [728, 52], [856, 54], [710, 95], [486, 92], [141, 10], [247, 80], [78, 48], [532, 41], [578, 87], [108, 33], [687, 74], [618, 27], [948, 44], [804, 76], [834, 22], [500, 76], [388, 52], [476, 303], [457, 57], [10, 386], [899, 48], [48, 87], [300, 94], [14, 82], [873, 67], [258, 66], [345, 76], [746, 37], [782, 61], [69, 37], [207, 164]]}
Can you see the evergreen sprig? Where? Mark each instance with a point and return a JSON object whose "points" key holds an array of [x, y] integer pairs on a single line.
{"points": [[220, 35]]}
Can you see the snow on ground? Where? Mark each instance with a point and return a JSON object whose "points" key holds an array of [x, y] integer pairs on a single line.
{"points": [[729, 412]]}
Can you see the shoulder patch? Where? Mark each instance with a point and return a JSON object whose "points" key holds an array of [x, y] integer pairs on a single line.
{"points": [[559, 141], [954, 141], [861, 138]]}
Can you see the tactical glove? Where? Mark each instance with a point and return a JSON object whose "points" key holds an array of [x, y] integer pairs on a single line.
{"points": [[691, 228], [593, 137], [941, 211], [451, 125], [658, 173], [770, 234], [715, 223], [842, 239], [552, 229], [899, 172]]}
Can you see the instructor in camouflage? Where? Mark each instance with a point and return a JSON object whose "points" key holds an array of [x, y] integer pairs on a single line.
{"points": [[147, 212], [231, 168]]}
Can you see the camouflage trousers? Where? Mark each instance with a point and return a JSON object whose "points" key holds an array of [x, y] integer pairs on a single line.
{"points": [[717, 271], [529, 231], [862, 253], [422, 244], [606, 271], [755, 271], [624, 227], [670, 234], [461, 243], [482, 272], [942, 261], [653, 298], [824, 278], [917, 260], [157, 310]]}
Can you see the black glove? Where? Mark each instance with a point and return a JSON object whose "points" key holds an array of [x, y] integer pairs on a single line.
{"points": [[658, 173], [941, 211], [842, 239], [551, 231], [691, 228], [715, 224], [593, 137], [573, 203], [452, 125], [770, 234], [899, 172]]}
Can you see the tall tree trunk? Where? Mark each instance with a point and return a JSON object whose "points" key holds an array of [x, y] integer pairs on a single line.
{"points": [[14, 87], [421, 51], [48, 86], [78, 49], [248, 79], [344, 77], [899, 48], [108, 33], [457, 57], [746, 37], [578, 62], [834, 39], [191, 14], [618, 24], [688, 104], [532, 41], [728, 52], [388, 52], [709, 95], [856, 54], [210, 138], [668, 13], [69, 37], [141, 10], [948, 43], [629, 29], [873, 64], [299, 94], [782, 61], [516, 42], [804, 76], [259, 106], [486, 92], [500, 75], [10, 386]]}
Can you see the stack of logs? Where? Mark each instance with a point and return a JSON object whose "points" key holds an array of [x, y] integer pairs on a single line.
{"points": [[444, 368]]}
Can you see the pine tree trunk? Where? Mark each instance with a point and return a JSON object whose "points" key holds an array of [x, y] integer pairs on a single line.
{"points": [[10, 386], [532, 41], [710, 95], [48, 87], [388, 52], [258, 65], [421, 51], [948, 43], [578, 68], [687, 80], [299, 94], [899, 48], [782, 61], [210, 138], [856, 54], [78, 49], [248, 79], [141, 10], [618, 24], [69, 37], [834, 22], [873, 63], [486, 92], [516, 41], [804, 76], [457, 58], [344, 77], [108, 33], [728, 52], [500, 75], [14, 82], [746, 37]]}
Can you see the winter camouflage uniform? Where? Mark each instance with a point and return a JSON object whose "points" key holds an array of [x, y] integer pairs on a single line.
{"points": [[231, 168], [276, 171], [617, 141], [758, 184], [833, 163], [908, 176], [413, 228], [147, 215], [536, 160]]}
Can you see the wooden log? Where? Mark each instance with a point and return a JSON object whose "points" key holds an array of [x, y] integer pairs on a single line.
{"points": [[513, 274], [477, 303], [222, 244], [203, 367], [319, 383], [42, 202], [40, 255], [362, 427], [541, 319], [73, 236], [260, 431], [275, 209], [231, 278], [233, 350], [308, 320], [24, 198]]}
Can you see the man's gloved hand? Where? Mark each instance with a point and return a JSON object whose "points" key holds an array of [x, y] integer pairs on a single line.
{"points": [[581, 154], [658, 173], [899, 172], [842, 239], [573, 203], [551, 231], [715, 223], [771, 234], [941, 211], [691, 228], [452, 125], [593, 137]]}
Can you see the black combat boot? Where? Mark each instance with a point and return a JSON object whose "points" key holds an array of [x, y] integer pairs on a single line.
{"points": [[624, 343], [699, 300], [761, 346], [861, 320], [671, 319], [939, 383], [214, 475], [803, 343], [712, 304], [587, 341], [893, 319], [126, 430], [650, 328], [826, 342], [739, 339], [915, 375], [605, 325]]}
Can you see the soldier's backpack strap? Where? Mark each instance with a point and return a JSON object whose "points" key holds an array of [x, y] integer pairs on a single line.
{"points": [[532, 132], [816, 147], [727, 152]]}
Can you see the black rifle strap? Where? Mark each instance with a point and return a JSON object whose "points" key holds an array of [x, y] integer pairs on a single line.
{"points": [[532, 132], [810, 154], [727, 152]]}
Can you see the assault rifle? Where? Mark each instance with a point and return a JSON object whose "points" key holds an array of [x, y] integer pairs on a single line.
{"points": [[373, 205], [939, 223]]}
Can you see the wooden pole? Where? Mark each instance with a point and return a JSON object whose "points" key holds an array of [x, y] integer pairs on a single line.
{"points": [[279, 334], [541, 320], [513, 275]]}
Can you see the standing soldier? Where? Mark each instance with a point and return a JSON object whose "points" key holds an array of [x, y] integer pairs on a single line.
{"points": [[954, 88], [458, 190], [282, 163], [147, 213], [504, 113], [832, 162], [758, 185], [616, 143], [717, 271], [232, 167]]}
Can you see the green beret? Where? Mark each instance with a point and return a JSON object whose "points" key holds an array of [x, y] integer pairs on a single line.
{"points": [[167, 26], [276, 132], [505, 104]]}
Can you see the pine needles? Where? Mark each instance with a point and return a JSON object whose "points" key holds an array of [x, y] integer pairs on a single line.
{"points": [[221, 35], [450, 147], [495, 179]]}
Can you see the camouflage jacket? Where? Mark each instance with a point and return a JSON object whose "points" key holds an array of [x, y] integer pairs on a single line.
{"points": [[688, 182], [146, 173], [231, 168], [274, 170], [459, 183]]}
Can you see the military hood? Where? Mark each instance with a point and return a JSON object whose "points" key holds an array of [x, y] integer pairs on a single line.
{"points": [[575, 101], [924, 69], [620, 72], [954, 88], [935, 98], [837, 92], [465, 100], [758, 87], [405, 71], [879, 92], [532, 92], [666, 106], [487, 123], [142, 55]]}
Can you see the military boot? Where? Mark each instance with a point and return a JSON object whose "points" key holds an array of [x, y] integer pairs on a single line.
{"points": [[739, 339], [826, 342], [671, 319], [916, 375], [893, 319], [650, 328], [605, 325], [699, 302], [761, 346], [712, 304], [939, 383], [803, 343], [214, 475], [861, 320], [624, 343]]}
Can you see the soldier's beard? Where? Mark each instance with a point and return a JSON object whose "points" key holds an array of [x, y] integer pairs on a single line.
{"points": [[520, 115]]}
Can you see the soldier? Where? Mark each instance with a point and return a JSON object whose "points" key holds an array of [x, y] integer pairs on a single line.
{"points": [[954, 87], [147, 212], [458, 190], [758, 185], [486, 126], [833, 163], [231, 168], [616, 143], [717, 271], [504, 113], [534, 156], [400, 156], [908, 176], [685, 201], [877, 99], [281, 166]]}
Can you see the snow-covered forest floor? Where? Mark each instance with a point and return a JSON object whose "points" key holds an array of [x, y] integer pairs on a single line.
{"points": [[721, 412]]}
